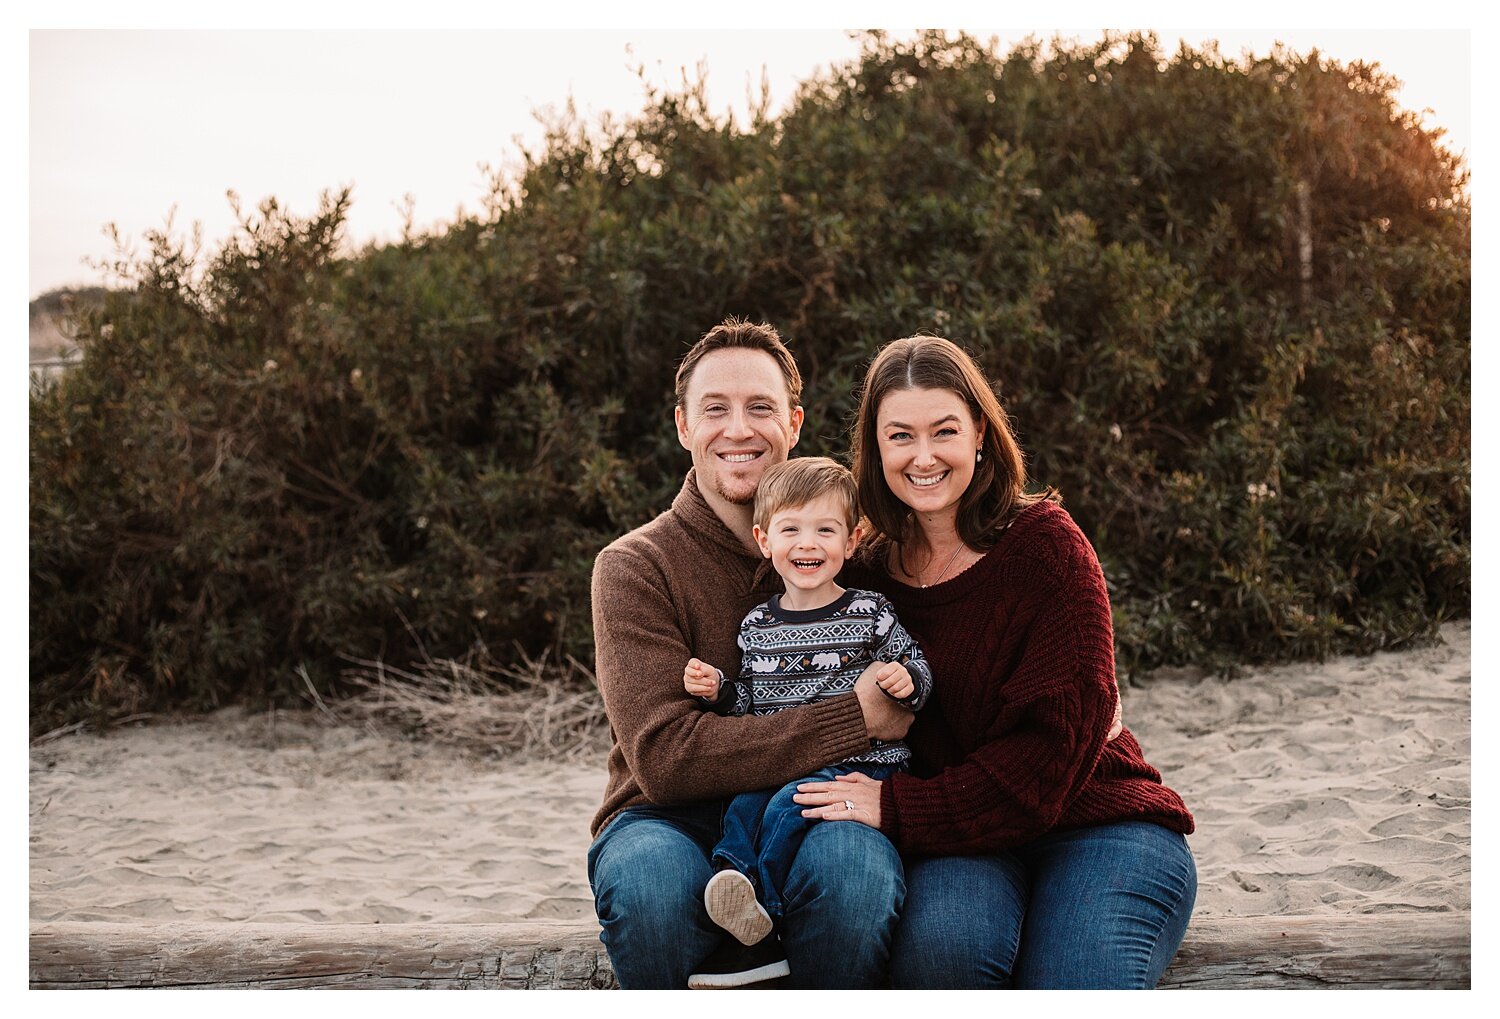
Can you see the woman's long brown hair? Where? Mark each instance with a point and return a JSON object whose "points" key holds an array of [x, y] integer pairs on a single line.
{"points": [[995, 494]]}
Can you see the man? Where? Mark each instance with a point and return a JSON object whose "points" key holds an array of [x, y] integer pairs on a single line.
{"points": [[677, 588]]}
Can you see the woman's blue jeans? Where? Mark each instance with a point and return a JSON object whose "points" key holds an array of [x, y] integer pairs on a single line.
{"points": [[1102, 907], [648, 868]]}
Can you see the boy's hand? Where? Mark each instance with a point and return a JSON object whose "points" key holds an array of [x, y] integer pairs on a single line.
{"points": [[884, 718], [700, 679], [895, 680]]}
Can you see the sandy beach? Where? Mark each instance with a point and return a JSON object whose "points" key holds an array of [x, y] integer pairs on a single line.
{"points": [[1341, 787]]}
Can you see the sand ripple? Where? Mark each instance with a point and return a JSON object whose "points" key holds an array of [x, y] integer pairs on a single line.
{"points": [[1335, 788], [239, 818]]}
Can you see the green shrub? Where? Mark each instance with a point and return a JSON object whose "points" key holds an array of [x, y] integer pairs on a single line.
{"points": [[287, 452]]}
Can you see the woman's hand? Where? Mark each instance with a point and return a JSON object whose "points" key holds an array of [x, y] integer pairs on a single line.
{"points": [[852, 797]]}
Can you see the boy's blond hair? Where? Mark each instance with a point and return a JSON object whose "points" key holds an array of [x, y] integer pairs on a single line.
{"points": [[798, 482]]}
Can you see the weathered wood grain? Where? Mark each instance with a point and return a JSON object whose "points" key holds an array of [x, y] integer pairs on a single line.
{"points": [[221, 955], [1370, 950], [1391, 950]]}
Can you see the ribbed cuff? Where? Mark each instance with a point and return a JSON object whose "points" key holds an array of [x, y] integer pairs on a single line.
{"points": [[909, 701], [721, 702], [841, 727]]}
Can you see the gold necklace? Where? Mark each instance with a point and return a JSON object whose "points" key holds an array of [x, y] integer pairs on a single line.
{"points": [[946, 568]]}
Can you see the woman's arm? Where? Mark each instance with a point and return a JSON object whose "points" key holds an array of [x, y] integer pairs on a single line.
{"points": [[1057, 711], [1046, 734]]}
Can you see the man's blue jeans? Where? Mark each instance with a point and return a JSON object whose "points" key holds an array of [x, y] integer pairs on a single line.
{"points": [[1102, 907], [764, 829], [648, 868]]}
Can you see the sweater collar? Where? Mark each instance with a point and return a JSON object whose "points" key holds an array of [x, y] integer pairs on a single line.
{"points": [[961, 586], [698, 516]]}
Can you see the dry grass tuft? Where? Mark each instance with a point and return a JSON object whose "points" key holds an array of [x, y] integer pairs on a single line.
{"points": [[536, 707]]}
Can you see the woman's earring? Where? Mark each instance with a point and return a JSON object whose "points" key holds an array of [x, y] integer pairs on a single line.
{"points": [[978, 455]]}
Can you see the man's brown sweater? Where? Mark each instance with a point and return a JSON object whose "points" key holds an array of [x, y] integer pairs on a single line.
{"points": [[673, 589]]}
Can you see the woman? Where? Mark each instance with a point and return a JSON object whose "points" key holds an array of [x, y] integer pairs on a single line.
{"points": [[1039, 852]]}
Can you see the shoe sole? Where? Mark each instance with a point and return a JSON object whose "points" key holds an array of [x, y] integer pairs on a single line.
{"points": [[730, 900], [724, 981]]}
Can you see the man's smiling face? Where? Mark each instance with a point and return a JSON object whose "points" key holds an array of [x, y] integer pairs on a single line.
{"points": [[737, 421]]}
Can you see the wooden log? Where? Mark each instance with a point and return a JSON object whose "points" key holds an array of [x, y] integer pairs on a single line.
{"points": [[228, 955], [1390, 950], [1367, 950]]}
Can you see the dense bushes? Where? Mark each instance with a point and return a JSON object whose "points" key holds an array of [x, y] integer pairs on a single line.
{"points": [[1228, 305]]}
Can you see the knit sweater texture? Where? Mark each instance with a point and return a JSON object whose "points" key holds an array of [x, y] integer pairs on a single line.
{"points": [[795, 656], [673, 589], [1014, 742]]}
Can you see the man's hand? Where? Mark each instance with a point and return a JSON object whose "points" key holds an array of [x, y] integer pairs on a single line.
{"points": [[893, 678], [700, 679], [884, 718]]}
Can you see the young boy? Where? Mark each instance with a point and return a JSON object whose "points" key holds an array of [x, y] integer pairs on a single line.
{"points": [[813, 641]]}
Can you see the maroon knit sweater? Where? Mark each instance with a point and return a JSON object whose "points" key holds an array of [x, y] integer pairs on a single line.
{"points": [[1013, 743]]}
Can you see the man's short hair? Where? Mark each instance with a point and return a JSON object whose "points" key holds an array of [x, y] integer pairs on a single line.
{"points": [[798, 482], [738, 332]]}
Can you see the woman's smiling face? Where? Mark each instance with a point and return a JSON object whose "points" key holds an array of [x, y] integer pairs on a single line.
{"points": [[928, 440]]}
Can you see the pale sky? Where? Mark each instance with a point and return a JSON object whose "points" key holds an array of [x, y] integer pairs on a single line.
{"points": [[126, 125]]}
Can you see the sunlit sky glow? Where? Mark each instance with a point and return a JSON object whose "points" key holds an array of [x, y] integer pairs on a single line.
{"points": [[125, 126]]}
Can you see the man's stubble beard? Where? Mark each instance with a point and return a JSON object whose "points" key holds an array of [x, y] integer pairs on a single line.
{"points": [[734, 499]]}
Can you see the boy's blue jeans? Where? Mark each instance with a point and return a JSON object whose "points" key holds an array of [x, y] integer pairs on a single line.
{"points": [[648, 868], [764, 829]]}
